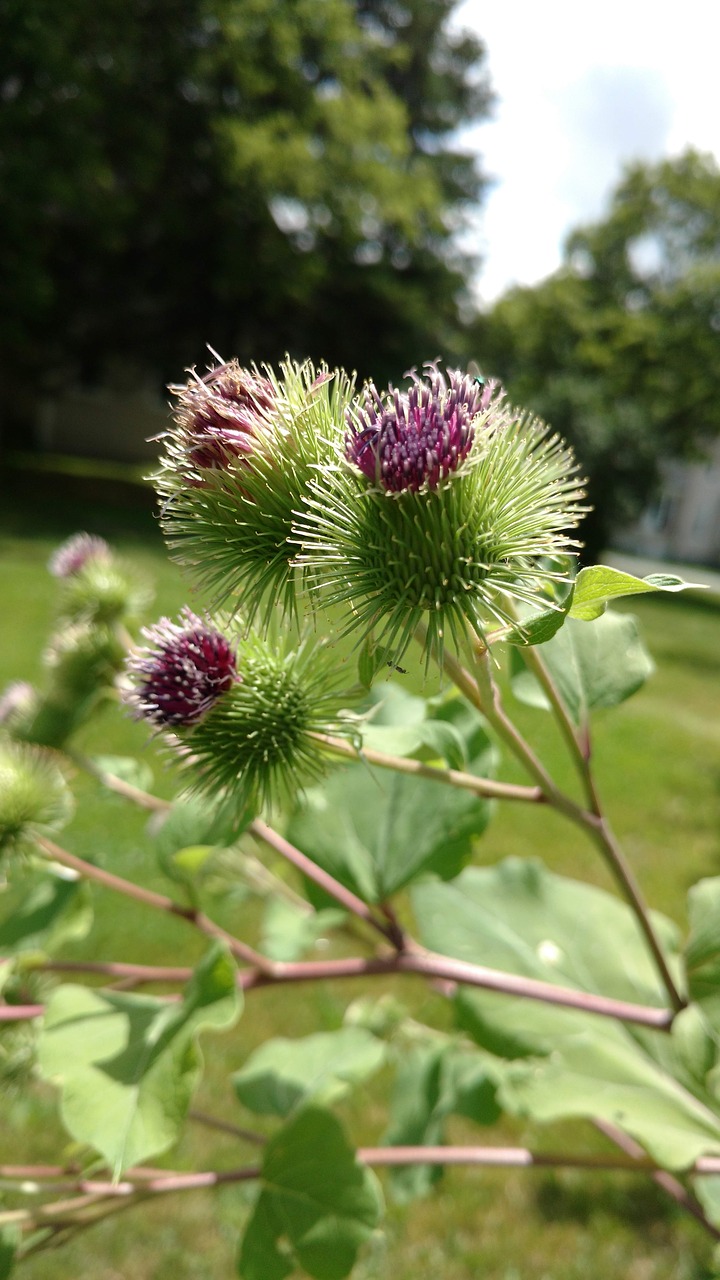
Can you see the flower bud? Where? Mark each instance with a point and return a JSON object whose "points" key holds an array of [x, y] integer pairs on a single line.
{"points": [[34, 797], [75, 552], [80, 659], [448, 513], [222, 417], [241, 715], [104, 592], [18, 704], [237, 463]]}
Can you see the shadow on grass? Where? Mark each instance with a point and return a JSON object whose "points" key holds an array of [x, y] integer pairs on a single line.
{"points": [[635, 1202]]}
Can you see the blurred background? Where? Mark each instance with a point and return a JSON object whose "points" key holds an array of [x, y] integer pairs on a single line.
{"points": [[374, 183]]}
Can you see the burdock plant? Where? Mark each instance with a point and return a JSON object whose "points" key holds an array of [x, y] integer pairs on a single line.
{"points": [[444, 506], [436, 510]]}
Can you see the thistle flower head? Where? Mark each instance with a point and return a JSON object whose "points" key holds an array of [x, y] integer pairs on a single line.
{"points": [[73, 554], [181, 673], [240, 717], [467, 511], [34, 797], [417, 437], [228, 513], [222, 416]]}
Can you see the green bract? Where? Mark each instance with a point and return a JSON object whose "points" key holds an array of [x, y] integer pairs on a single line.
{"points": [[460, 552], [230, 523], [34, 797]]}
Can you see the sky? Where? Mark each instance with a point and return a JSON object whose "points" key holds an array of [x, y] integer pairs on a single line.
{"points": [[582, 89]]}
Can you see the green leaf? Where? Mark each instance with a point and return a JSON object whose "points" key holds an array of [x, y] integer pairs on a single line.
{"points": [[393, 705], [431, 1083], [283, 1075], [702, 949], [430, 740], [439, 728], [598, 583], [608, 1077], [127, 1065], [416, 1117], [537, 628], [540, 627], [288, 931], [707, 1191], [9, 1241], [375, 830], [373, 659], [191, 832], [54, 911], [593, 664], [563, 1063], [316, 1207]]}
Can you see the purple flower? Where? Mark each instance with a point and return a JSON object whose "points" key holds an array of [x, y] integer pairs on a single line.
{"points": [[407, 439], [73, 555], [182, 673], [221, 415]]}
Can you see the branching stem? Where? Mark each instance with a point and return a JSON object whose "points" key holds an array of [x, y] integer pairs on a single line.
{"points": [[240, 950], [485, 787]]}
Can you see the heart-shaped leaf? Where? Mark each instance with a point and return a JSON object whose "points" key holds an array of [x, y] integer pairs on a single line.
{"points": [[316, 1207], [127, 1065]]}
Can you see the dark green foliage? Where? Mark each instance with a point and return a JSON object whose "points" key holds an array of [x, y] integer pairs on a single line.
{"points": [[266, 175]]}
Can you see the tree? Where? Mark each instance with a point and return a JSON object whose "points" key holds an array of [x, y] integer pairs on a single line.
{"points": [[618, 349], [244, 172]]}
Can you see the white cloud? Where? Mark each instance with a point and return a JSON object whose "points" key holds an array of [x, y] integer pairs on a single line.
{"points": [[581, 91]]}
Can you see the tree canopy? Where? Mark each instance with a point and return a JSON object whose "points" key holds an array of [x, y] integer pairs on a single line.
{"points": [[263, 175], [618, 349]]}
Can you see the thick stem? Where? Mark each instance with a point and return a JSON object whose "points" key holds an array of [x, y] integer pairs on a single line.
{"points": [[158, 901], [630, 1159], [433, 966], [139, 974], [596, 824], [445, 969], [20, 1012], [485, 695]]}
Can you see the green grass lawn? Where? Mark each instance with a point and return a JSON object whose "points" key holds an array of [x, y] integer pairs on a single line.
{"points": [[658, 762]]}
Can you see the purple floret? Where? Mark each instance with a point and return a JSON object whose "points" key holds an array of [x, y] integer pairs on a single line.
{"points": [[408, 439], [182, 672]]}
